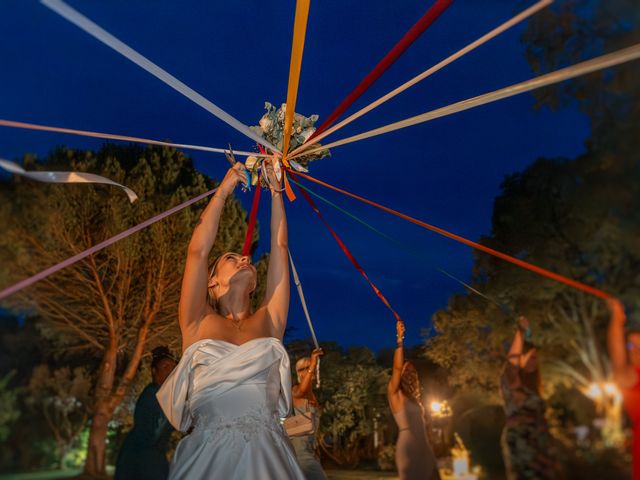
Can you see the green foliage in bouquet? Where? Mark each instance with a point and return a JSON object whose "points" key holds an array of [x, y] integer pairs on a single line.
{"points": [[271, 128]]}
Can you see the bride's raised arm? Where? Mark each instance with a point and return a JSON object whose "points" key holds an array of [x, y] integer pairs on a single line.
{"points": [[193, 296], [276, 298]]}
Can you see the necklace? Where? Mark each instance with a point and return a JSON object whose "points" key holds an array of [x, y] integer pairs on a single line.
{"points": [[236, 322]]}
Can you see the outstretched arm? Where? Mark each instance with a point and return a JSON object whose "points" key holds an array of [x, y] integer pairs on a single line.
{"points": [[623, 373], [276, 298], [515, 351], [193, 296], [305, 385], [398, 361]]}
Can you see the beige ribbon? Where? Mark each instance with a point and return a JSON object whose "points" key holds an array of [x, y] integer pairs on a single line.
{"points": [[599, 63], [64, 177], [123, 138], [427, 73], [105, 37]]}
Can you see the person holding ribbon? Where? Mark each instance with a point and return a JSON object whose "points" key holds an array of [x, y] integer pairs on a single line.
{"points": [[528, 448], [144, 452], [624, 350], [306, 406], [233, 382], [415, 459]]}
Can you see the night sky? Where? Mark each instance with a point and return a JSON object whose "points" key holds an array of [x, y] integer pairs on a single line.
{"points": [[446, 172]]}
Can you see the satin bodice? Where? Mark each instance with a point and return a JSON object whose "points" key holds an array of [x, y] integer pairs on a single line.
{"points": [[217, 381]]}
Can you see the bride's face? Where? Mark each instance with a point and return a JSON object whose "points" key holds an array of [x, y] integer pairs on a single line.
{"points": [[234, 270]]}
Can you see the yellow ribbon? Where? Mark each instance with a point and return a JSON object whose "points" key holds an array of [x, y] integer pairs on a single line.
{"points": [[297, 47]]}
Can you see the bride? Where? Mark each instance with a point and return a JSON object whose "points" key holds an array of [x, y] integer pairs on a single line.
{"points": [[233, 382]]}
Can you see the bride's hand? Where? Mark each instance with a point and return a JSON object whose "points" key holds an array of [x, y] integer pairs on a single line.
{"points": [[234, 176], [275, 185]]}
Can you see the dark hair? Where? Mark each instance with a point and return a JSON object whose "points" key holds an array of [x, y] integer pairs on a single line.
{"points": [[411, 386], [160, 353]]}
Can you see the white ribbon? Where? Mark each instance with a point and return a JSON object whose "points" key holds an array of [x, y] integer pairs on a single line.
{"points": [[599, 63], [64, 177], [296, 280], [105, 37], [427, 73], [124, 138]]}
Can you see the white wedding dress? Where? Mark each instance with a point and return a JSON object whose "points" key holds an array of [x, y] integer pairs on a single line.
{"points": [[233, 397]]}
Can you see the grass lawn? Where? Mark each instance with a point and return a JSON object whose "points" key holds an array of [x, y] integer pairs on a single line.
{"points": [[332, 474], [359, 475]]}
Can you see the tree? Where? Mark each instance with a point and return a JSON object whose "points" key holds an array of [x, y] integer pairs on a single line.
{"points": [[9, 401], [121, 301], [572, 31], [579, 217], [353, 394], [63, 397]]}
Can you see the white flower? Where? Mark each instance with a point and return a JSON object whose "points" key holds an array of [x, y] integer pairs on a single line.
{"points": [[297, 167], [266, 124], [282, 112], [277, 169], [251, 161]]}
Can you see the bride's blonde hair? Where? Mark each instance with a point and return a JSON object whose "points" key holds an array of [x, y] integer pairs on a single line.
{"points": [[211, 296]]}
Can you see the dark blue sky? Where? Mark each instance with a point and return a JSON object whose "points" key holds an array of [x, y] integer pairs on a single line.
{"points": [[446, 172]]}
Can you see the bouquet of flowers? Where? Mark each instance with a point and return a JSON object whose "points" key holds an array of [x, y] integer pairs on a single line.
{"points": [[271, 128]]}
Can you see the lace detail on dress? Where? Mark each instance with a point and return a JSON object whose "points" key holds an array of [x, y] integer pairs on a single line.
{"points": [[249, 425]]}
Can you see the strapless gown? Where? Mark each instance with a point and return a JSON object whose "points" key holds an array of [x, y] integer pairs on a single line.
{"points": [[231, 398]]}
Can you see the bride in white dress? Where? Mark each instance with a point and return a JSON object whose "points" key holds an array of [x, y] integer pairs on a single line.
{"points": [[233, 382]]}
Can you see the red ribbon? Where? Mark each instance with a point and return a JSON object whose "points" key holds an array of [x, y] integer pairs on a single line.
{"points": [[346, 251], [405, 42], [478, 246], [248, 239]]}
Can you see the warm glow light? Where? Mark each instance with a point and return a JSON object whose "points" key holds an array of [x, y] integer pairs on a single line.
{"points": [[436, 407], [611, 389], [594, 391]]}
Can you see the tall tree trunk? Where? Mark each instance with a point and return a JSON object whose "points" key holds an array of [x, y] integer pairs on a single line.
{"points": [[95, 464], [108, 398]]}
